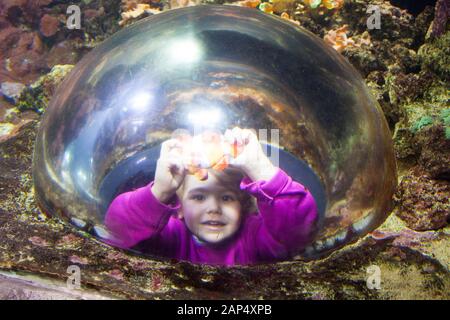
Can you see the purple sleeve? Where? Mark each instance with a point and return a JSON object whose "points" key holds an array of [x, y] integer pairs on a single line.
{"points": [[288, 214], [137, 215]]}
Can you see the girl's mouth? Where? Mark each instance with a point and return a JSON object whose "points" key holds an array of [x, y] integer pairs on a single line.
{"points": [[214, 224]]}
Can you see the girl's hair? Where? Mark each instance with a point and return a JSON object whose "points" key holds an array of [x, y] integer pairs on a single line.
{"points": [[231, 179]]}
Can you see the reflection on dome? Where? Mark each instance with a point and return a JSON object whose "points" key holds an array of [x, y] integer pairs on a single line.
{"points": [[216, 67]]}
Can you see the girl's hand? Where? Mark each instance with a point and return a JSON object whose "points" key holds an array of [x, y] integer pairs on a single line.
{"points": [[170, 170], [251, 160]]}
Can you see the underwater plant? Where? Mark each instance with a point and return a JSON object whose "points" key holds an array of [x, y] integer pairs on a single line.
{"points": [[421, 123], [445, 117], [427, 120]]}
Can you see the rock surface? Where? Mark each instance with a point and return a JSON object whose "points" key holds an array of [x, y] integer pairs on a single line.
{"points": [[424, 203], [413, 265], [12, 90]]}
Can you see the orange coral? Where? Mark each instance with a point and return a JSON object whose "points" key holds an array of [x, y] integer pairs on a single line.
{"points": [[338, 39], [286, 16], [273, 6], [128, 5], [135, 11], [183, 3], [311, 3], [333, 4], [247, 3]]}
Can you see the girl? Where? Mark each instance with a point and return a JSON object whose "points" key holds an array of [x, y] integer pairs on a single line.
{"points": [[211, 221]]}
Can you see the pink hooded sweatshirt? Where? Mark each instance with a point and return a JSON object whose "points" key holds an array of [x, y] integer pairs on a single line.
{"points": [[283, 226]]}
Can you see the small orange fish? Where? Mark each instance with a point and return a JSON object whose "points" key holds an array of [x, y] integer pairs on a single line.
{"points": [[208, 150]]}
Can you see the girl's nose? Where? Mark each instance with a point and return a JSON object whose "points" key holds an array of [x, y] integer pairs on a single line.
{"points": [[213, 206]]}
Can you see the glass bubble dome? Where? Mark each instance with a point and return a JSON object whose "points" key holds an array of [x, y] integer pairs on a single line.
{"points": [[216, 67]]}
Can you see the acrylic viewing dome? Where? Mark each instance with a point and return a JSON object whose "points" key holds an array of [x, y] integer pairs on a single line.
{"points": [[216, 67]]}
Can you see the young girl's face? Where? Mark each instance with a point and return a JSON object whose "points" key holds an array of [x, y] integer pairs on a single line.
{"points": [[211, 211]]}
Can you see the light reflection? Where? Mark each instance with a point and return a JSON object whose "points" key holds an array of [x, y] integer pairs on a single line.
{"points": [[140, 160], [82, 175], [184, 51], [205, 117], [140, 101]]}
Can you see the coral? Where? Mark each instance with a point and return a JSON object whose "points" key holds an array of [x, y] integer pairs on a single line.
{"points": [[247, 3], [36, 96], [33, 99], [333, 4], [23, 53], [423, 203], [435, 152], [412, 91], [338, 39], [415, 91], [286, 16], [404, 143], [183, 3], [363, 40], [435, 55], [266, 7], [29, 29], [408, 87], [312, 3], [27, 12], [327, 4], [421, 132], [280, 6], [445, 117], [421, 123], [362, 57], [140, 11], [49, 25], [396, 25], [100, 21], [405, 60]]}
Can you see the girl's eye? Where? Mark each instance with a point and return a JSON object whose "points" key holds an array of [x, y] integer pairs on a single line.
{"points": [[198, 197], [228, 198]]}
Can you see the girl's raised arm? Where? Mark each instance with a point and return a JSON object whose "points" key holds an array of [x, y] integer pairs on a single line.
{"points": [[287, 215]]}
